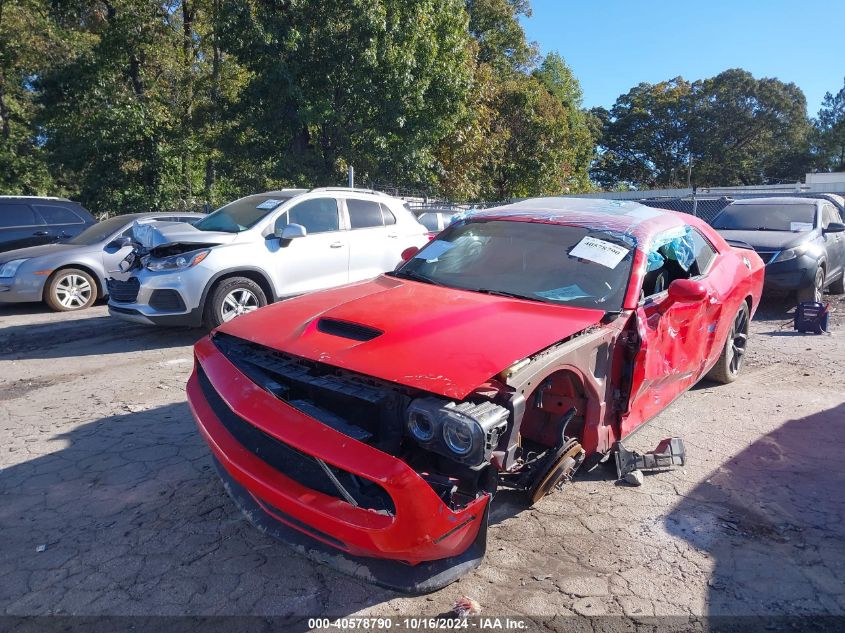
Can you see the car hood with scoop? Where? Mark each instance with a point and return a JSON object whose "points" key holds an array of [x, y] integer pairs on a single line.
{"points": [[437, 339], [152, 235], [768, 240]]}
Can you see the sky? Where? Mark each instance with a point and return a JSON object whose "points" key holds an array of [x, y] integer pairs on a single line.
{"points": [[612, 45]]}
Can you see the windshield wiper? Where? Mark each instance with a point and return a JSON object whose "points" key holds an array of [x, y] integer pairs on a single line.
{"points": [[413, 275], [505, 293]]}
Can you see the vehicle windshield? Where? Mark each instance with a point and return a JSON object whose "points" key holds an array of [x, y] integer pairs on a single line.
{"points": [[242, 214], [101, 231], [766, 217], [567, 265]]}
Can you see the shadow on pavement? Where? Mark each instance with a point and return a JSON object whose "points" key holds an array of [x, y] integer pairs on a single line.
{"points": [[126, 516], [92, 336], [773, 521]]}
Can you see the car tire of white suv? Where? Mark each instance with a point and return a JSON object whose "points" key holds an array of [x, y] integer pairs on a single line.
{"points": [[230, 298]]}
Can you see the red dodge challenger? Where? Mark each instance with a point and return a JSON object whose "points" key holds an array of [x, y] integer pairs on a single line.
{"points": [[369, 426]]}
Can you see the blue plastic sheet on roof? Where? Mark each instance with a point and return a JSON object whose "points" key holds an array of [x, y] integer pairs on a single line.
{"points": [[678, 247]]}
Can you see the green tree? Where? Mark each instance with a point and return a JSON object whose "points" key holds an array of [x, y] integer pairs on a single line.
{"points": [[830, 132], [376, 84], [501, 39], [26, 46], [731, 129], [748, 131], [645, 137]]}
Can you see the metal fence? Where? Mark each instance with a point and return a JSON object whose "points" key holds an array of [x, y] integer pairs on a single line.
{"points": [[708, 207]]}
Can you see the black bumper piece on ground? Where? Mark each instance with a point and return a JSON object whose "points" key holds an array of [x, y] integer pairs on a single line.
{"points": [[396, 576]]}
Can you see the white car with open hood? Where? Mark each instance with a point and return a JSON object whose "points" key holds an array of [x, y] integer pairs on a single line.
{"points": [[259, 249]]}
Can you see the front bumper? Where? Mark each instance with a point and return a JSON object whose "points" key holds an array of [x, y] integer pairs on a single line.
{"points": [[793, 274], [21, 288], [426, 543], [182, 294]]}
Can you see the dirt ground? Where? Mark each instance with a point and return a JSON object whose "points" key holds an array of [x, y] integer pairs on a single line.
{"points": [[109, 503]]}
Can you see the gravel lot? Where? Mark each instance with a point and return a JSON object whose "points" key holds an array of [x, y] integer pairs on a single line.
{"points": [[109, 503]]}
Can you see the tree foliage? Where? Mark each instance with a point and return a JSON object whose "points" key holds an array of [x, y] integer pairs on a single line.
{"points": [[731, 129], [830, 132]]}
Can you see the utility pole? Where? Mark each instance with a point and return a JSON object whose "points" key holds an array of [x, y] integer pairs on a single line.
{"points": [[351, 177]]}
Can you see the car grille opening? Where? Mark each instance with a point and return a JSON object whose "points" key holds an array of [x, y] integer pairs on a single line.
{"points": [[123, 291], [364, 410], [766, 255], [294, 464], [345, 329]]}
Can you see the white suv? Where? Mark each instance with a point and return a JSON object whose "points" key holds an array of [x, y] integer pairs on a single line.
{"points": [[259, 249]]}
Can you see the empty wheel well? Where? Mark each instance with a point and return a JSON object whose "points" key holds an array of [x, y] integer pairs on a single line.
{"points": [[554, 396], [101, 291]]}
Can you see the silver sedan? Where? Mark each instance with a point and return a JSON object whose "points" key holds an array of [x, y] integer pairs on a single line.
{"points": [[72, 275]]}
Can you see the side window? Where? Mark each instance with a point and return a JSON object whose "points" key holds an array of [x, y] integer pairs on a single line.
{"points": [[830, 214], [674, 256], [364, 214], [318, 215], [12, 215], [56, 214], [387, 214], [704, 253]]}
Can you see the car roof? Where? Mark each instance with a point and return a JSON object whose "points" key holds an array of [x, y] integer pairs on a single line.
{"points": [[28, 198], [776, 200], [632, 218]]}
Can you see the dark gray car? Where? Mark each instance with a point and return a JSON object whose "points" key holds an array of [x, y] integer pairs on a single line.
{"points": [[71, 275], [31, 220], [800, 240]]}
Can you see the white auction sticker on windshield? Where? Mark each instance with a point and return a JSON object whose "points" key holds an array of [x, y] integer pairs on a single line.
{"points": [[434, 250], [800, 226], [595, 250], [269, 204]]}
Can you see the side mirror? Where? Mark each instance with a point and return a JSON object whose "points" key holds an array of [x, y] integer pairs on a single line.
{"points": [[409, 252], [834, 227], [684, 291], [290, 231], [118, 243]]}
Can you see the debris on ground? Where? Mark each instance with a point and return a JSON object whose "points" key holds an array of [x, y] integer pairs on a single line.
{"points": [[41, 548], [465, 607], [634, 478]]}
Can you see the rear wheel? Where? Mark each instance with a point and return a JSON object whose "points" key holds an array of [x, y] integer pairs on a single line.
{"points": [[732, 357], [814, 292], [70, 289], [231, 298]]}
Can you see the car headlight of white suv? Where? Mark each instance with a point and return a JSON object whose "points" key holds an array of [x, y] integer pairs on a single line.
{"points": [[10, 268], [177, 262]]}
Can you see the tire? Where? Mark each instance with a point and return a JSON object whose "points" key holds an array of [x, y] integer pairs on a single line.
{"points": [[732, 357], [838, 286], [70, 289], [230, 298], [814, 292]]}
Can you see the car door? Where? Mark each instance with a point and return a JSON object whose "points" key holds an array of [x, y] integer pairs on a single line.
{"points": [[21, 227], [60, 220], [373, 245], [834, 242], [318, 260], [676, 342]]}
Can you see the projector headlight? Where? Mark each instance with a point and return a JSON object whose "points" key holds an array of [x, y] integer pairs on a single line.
{"points": [[177, 262], [466, 432]]}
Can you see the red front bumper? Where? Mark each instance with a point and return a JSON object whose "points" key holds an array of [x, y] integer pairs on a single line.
{"points": [[423, 528]]}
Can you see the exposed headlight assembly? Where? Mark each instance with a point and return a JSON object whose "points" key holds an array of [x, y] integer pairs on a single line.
{"points": [[789, 253], [177, 262], [466, 432], [11, 267]]}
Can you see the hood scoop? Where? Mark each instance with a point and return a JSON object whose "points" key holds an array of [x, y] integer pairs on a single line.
{"points": [[346, 329]]}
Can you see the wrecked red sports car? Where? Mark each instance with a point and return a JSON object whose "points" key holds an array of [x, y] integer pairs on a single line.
{"points": [[370, 426]]}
